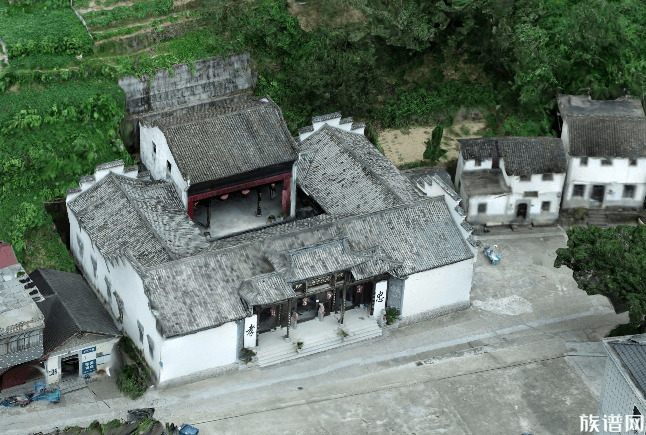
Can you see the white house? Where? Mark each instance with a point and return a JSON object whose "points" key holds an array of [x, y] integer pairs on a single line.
{"points": [[606, 146], [624, 386], [504, 180], [193, 304]]}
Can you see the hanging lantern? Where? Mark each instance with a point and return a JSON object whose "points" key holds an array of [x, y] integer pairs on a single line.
{"points": [[223, 197], [272, 312], [273, 185], [304, 301], [329, 295], [246, 191], [359, 288]]}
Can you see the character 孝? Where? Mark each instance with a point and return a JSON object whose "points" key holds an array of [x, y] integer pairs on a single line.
{"points": [[250, 330]]}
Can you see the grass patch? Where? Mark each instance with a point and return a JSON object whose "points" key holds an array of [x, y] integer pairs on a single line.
{"points": [[44, 248]]}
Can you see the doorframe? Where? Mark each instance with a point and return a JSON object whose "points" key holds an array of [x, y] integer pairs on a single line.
{"points": [[518, 205]]}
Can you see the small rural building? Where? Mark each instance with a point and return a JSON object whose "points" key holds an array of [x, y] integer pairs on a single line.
{"points": [[505, 180], [222, 160], [21, 322], [624, 383], [606, 146], [79, 334]]}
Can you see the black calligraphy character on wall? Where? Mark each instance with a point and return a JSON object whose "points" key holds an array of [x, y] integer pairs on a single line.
{"points": [[380, 296], [250, 330]]}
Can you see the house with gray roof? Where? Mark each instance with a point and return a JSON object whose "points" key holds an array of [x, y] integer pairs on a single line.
{"points": [[624, 384], [21, 322], [605, 142], [79, 333], [504, 180], [220, 155], [381, 241]]}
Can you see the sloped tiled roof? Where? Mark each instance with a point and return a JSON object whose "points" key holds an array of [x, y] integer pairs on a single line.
{"points": [[266, 289], [345, 174], [522, 155], [227, 140], [584, 105], [147, 217], [421, 172], [70, 307], [633, 356], [607, 136], [201, 292]]}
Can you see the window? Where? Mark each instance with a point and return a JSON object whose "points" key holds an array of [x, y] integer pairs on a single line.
{"points": [[548, 177], [584, 161], [579, 190], [482, 208], [141, 332], [633, 162], [545, 206], [606, 162], [151, 346], [524, 178], [94, 265], [532, 194], [168, 166], [154, 148], [478, 162], [629, 191]]}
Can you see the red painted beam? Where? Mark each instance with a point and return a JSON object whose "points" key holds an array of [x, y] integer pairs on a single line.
{"points": [[286, 178]]}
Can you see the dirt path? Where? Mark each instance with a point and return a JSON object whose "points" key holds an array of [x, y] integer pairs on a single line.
{"points": [[406, 146]]}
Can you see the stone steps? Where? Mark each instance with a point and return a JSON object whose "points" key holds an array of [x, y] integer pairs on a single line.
{"points": [[72, 384], [286, 351]]}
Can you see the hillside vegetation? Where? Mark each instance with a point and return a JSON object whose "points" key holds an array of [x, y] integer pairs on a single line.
{"points": [[409, 62]]}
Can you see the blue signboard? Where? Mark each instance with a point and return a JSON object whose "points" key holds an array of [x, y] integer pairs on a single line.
{"points": [[88, 360]]}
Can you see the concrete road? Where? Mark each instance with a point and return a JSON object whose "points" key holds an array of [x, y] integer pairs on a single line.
{"points": [[530, 340]]}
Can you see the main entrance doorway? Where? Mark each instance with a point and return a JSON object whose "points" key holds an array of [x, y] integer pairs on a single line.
{"points": [[597, 193], [355, 296], [521, 210]]}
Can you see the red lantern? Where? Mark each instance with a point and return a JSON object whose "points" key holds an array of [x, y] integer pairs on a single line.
{"points": [[359, 288], [304, 301], [272, 312], [246, 191], [329, 295], [223, 197]]}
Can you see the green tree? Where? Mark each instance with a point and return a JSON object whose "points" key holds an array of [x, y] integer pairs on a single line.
{"points": [[609, 261], [433, 150]]}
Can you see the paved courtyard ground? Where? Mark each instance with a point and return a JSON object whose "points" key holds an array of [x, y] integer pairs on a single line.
{"points": [[525, 358]]}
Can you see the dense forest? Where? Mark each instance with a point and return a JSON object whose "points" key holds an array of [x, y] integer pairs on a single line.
{"points": [[389, 63]]}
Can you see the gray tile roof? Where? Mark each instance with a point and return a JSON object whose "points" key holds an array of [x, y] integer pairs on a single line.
{"points": [[202, 292], [266, 289], [468, 228], [306, 129], [108, 165], [607, 136], [18, 309], [146, 217], [358, 125], [227, 140], [327, 117], [460, 211], [522, 155], [633, 355], [473, 242], [417, 173], [440, 182], [584, 105], [347, 120], [485, 182], [345, 174], [70, 307]]}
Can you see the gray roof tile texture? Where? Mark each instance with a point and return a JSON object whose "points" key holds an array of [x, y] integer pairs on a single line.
{"points": [[146, 217], [612, 136], [70, 307], [227, 140], [346, 174], [633, 355], [522, 155], [202, 292]]}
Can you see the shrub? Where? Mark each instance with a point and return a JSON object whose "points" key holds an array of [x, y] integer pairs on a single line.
{"points": [[131, 382], [392, 314]]}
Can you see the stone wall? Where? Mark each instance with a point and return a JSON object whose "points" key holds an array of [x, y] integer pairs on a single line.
{"points": [[213, 79]]}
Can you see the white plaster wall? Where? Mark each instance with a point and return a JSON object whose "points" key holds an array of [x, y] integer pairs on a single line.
{"points": [[437, 288], [203, 350], [497, 209], [613, 177], [334, 122], [53, 363], [380, 287], [536, 183], [564, 137], [156, 162], [458, 172], [292, 186], [617, 397]]}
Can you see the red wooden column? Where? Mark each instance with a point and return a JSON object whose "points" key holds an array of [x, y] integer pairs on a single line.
{"points": [[190, 208]]}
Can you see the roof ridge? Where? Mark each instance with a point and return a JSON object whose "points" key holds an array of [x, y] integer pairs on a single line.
{"points": [[170, 253], [199, 115]]}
